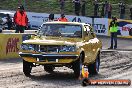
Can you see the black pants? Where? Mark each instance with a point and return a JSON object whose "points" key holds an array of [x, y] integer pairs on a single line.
{"points": [[95, 12], [113, 37], [131, 16], [109, 14], [62, 8], [9, 24], [83, 10], [20, 29], [77, 8], [130, 32]]}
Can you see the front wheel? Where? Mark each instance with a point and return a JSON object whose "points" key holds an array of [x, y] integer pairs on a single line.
{"points": [[77, 66], [94, 68], [27, 67]]}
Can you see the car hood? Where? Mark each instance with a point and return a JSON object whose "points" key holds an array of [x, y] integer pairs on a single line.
{"points": [[53, 41]]}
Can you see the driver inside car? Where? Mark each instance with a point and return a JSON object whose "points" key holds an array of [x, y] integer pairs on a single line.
{"points": [[55, 31]]}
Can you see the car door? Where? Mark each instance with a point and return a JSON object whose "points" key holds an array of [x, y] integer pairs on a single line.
{"points": [[88, 46], [94, 43]]}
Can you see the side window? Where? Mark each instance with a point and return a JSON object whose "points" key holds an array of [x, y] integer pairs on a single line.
{"points": [[85, 31], [89, 31]]}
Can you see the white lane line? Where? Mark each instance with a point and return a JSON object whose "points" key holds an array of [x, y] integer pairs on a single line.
{"points": [[116, 50]]}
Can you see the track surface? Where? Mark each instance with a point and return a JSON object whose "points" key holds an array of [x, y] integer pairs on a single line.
{"points": [[114, 65]]}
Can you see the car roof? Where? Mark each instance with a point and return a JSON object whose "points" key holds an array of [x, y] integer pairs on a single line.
{"points": [[59, 22]]}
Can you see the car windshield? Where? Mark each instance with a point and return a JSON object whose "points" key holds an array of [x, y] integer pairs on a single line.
{"points": [[61, 30]]}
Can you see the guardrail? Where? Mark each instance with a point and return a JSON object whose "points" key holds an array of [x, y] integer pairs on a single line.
{"points": [[25, 32]]}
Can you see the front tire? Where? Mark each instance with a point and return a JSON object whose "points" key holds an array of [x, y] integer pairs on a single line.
{"points": [[94, 68], [27, 67], [77, 66]]}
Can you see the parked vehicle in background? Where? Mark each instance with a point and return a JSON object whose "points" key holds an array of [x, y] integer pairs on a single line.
{"points": [[3, 16]]}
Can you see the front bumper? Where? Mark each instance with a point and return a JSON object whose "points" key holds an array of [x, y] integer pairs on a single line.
{"points": [[49, 56]]}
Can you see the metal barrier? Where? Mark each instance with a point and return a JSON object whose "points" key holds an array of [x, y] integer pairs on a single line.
{"points": [[25, 32]]}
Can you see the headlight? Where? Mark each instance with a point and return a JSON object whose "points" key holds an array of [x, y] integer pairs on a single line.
{"points": [[27, 47], [68, 48]]}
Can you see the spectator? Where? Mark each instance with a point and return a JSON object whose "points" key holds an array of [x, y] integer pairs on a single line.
{"points": [[9, 22], [51, 17], [77, 6], [1, 21], [83, 7], [113, 30], [109, 10], [102, 10], [20, 20], [131, 13], [122, 10], [106, 9], [62, 4], [96, 8], [63, 18]]}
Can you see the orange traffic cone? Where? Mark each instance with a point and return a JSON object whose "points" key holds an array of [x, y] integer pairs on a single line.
{"points": [[84, 72]]}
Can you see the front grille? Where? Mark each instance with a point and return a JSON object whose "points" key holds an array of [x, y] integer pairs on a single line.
{"points": [[51, 48], [36, 47]]}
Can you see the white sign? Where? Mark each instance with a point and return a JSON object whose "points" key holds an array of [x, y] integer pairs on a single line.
{"points": [[101, 26], [36, 19]]}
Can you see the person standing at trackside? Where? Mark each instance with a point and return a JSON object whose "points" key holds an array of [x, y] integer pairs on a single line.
{"points": [[131, 13], [106, 9], [63, 18], [1, 21], [62, 4], [20, 19], [113, 30], [109, 10], [96, 8], [102, 10], [83, 6], [51, 17], [8, 22], [77, 6], [122, 10]]}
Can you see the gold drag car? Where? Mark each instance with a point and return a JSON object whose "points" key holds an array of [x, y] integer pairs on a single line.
{"points": [[58, 44]]}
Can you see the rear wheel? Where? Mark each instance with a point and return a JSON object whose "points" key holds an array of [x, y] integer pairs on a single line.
{"points": [[94, 68], [49, 68], [27, 67], [77, 66]]}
